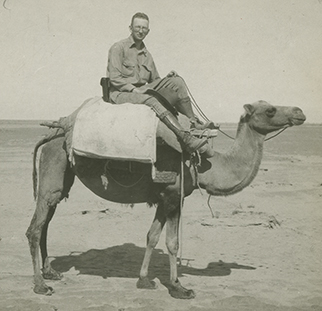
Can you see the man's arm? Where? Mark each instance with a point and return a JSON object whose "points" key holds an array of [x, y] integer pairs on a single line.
{"points": [[154, 73], [115, 61]]}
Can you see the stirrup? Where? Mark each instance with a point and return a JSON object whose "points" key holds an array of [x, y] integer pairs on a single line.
{"points": [[191, 143], [206, 151], [208, 133]]}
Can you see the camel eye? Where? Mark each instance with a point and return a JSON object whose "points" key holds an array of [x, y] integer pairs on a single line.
{"points": [[270, 112]]}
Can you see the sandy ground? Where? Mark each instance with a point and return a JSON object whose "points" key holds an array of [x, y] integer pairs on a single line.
{"points": [[262, 251]]}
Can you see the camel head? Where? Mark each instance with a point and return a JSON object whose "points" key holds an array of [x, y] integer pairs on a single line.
{"points": [[265, 118]]}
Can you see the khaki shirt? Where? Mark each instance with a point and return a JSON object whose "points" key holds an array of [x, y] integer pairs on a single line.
{"points": [[129, 67]]}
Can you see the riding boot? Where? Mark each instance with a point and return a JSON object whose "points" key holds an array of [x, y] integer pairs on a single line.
{"points": [[190, 142], [184, 107]]}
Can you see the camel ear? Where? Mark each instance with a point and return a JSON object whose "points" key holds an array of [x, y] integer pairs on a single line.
{"points": [[249, 109]]}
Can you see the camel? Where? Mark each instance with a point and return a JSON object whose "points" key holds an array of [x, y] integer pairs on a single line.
{"points": [[220, 175]]}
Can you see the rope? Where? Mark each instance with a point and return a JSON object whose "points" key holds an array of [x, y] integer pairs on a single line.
{"points": [[199, 109], [222, 132], [194, 101], [181, 208], [208, 202], [206, 119], [125, 186], [281, 131], [107, 171]]}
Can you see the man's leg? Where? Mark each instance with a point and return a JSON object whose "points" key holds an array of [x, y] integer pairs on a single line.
{"points": [[183, 103], [190, 142]]}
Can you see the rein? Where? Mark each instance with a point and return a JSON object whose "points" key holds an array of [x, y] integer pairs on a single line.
{"points": [[206, 119], [281, 131], [266, 139]]}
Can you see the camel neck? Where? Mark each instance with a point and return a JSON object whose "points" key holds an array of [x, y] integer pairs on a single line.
{"points": [[230, 172]]}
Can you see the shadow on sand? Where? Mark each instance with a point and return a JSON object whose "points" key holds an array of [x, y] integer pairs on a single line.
{"points": [[124, 261]]}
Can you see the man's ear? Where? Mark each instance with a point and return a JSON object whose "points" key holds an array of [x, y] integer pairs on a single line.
{"points": [[249, 109]]}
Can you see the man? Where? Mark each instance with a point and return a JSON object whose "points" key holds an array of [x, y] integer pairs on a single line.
{"points": [[133, 75]]}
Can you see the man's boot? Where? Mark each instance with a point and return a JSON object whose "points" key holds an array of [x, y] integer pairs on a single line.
{"points": [[190, 142], [184, 107]]}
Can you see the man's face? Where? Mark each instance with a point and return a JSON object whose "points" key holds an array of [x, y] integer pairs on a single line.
{"points": [[139, 29]]}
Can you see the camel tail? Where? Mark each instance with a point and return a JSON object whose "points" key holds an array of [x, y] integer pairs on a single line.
{"points": [[43, 141]]}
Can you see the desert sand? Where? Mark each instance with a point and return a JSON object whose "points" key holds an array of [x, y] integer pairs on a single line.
{"points": [[262, 251]]}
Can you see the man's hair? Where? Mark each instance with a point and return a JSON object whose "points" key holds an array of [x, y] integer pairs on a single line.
{"points": [[139, 15]]}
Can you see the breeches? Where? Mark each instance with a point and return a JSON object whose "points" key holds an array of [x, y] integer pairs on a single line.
{"points": [[174, 83], [134, 98]]}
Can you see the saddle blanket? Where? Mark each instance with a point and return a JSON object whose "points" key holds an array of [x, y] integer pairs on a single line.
{"points": [[123, 132]]}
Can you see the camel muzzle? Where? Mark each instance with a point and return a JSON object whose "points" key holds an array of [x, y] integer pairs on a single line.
{"points": [[298, 117]]}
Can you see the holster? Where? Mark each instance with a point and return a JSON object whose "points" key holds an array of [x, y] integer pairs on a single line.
{"points": [[106, 85]]}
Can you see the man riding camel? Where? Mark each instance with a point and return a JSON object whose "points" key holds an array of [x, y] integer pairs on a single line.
{"points": [[133, 77]]}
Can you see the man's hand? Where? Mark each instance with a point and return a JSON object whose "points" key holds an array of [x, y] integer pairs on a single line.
{"points": [[138, 90], [172, 73]]}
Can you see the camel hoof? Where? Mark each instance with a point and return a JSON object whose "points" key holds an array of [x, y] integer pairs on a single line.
{"points": [[179, 292], [52, 275], [43, 290], [145, 283]]}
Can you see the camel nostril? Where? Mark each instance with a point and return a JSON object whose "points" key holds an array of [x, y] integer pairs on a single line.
{"points": [[298, 113], [297, 110]]}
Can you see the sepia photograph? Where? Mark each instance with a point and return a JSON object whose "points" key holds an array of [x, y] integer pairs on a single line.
{"points": [[161, 155]]}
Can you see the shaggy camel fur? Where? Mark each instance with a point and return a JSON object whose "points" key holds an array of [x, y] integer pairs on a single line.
{"points": [[220, 175]]}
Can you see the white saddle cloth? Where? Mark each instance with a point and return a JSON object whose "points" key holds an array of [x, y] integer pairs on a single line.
{"points": [[124, 132]]}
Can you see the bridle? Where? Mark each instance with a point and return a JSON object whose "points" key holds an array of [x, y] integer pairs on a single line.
{"points": [[266, 139], [202, 114], [279, 132]]}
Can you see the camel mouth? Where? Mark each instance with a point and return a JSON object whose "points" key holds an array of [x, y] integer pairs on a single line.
{"points": [[297, 121]]}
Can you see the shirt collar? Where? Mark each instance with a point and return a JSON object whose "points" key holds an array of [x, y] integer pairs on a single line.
{"points": [[132, 44]]}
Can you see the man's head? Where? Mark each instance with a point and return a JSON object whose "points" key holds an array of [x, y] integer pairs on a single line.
{"points": [[139, 26]]}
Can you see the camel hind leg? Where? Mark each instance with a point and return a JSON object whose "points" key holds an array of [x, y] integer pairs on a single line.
{"points": [[55, 181], [47, 271]]}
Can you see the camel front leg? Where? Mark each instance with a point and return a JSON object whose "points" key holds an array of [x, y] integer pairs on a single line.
{"points": [[153, 237], [172, 242]]}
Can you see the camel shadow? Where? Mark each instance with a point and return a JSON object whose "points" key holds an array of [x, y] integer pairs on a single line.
{"points": [[124, 261]]}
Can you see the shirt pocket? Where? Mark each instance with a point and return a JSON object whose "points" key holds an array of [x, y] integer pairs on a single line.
{"points": [[128, 69], [146, 73]]}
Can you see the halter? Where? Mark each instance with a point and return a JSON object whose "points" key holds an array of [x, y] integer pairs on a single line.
{"points": [[202, 114]]}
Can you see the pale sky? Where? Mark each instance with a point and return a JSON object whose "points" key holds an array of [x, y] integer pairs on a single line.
{"points": [[230, 52]]}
